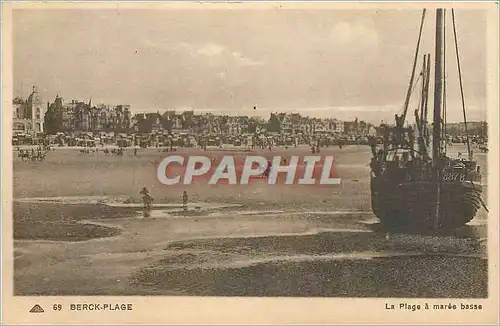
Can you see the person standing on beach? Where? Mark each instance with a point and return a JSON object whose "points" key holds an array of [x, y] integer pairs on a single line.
{"points": [[267, 170], [184, 201], [146, 198]]}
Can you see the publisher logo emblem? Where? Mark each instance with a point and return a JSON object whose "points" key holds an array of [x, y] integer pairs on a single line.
{"points": [[37, 309]]}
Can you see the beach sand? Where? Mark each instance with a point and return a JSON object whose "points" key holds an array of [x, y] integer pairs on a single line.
{"points": [[254, 240]]}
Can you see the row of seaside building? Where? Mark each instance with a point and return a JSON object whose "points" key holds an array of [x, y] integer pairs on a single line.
{"points": [[33, 116], [30, 115]]}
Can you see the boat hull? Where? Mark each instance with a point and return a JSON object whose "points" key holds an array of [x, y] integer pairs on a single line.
{"points": [[416, 204]]}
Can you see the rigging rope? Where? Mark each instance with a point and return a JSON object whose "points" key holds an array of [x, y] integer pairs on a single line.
{"points": [[408, 93], [460, 80], [443, 137], [416, 84]]}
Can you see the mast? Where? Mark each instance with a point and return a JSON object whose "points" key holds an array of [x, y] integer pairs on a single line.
{"points": [[422, 95], [419, 117], [438, 87], [426, 109]]}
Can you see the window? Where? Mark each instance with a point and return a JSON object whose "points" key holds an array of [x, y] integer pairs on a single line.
{"points": [[18, 126], [17, 112]]}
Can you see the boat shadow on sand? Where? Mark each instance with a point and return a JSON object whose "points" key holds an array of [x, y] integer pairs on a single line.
{"points": [[466, 231]]}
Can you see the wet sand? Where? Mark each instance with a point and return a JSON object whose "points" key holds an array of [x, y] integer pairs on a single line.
{"points": [[276, 241], [437, 277]]}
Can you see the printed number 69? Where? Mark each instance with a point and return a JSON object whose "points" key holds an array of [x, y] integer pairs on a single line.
{"points": [[57, 307]]}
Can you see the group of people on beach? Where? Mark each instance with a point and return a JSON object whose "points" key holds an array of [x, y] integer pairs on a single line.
{"points": [[39, 154], [148, 200], [115, 151]]}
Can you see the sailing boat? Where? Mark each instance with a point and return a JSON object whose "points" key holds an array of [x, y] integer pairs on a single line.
{"points": [[413, 181]]}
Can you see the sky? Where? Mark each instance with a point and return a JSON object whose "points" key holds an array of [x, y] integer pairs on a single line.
{"points": [[323, 63]]}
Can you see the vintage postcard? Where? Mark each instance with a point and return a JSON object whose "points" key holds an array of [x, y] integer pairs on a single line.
{"points": [[249, 163]]}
